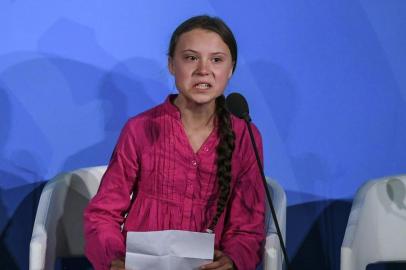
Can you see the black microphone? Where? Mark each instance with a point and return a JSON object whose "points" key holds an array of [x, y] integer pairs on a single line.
{"points": [[238, 106]]}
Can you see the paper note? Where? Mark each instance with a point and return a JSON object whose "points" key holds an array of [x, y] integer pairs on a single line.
{"points": [[168, 250]]}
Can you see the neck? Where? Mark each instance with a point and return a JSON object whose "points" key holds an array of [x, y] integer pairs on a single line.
{"points": [[195, 115]]}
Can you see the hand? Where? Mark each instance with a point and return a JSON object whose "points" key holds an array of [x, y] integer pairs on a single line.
{"points": [[117, 265], [221, 262]]}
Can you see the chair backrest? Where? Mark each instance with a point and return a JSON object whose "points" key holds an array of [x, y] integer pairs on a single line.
{"points": [[81, 186], [58, 226], [376, 230], [273, 256], [278, 196]]}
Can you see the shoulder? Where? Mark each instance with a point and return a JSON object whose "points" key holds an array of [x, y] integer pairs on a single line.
{"points": [[243, 151], [244, 156], [241, 130], [141, 119], [144, 128]]}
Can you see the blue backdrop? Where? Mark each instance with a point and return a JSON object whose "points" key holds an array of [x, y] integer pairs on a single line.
{"points": [[326, 82]]}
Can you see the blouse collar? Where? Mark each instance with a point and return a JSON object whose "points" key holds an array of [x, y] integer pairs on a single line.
{"points": [[174, 111], [170, 107]]}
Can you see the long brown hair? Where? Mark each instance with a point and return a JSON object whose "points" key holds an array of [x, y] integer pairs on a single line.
{"points": [[226, 134]]}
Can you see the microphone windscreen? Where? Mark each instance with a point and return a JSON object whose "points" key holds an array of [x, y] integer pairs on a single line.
{"points": [[237, 105]]}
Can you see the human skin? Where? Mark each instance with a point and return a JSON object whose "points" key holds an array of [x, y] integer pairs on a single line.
{"points": [[202, 66]]}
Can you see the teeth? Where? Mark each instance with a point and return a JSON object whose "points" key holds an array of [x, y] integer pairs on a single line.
{"points": [[203, 85]]}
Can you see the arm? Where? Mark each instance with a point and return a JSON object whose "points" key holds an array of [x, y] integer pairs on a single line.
{"points": [[244, 231], [104, 215]]}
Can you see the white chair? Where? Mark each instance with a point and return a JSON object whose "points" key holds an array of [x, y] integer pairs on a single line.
{"points": [[376, 229], [58, 226], [273, 256]]}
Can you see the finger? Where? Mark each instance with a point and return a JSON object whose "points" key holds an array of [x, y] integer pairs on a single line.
{"points": [[213, 265], [217, 254], [225, 267], [117, 267], [217, 263], [117, 264], [226, 263], [222, 267]]}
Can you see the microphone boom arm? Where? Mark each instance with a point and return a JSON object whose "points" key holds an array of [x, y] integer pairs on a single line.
{"points": [[247, 120]]}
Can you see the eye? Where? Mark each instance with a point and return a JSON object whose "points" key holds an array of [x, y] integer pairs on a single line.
{"points": [[217, 59], [191, 57]]}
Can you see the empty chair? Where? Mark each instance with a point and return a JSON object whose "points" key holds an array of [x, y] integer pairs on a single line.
{"points": [[58, 226], [273, 256], [376, 229]]}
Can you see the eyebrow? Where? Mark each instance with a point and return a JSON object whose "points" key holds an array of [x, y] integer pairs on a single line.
{"points": [[196, 52]]}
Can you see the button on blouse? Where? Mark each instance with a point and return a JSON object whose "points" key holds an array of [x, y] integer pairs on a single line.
{"points": [[174, 188]]}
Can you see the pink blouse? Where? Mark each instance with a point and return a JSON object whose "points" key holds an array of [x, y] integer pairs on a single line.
{"points": [[175, 189]]}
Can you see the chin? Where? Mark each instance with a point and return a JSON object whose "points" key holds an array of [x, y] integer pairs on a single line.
{"points": [[203, 102], [203, 99]]}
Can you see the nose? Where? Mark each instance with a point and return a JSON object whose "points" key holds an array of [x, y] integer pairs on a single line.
{"points": [[203, 67]]}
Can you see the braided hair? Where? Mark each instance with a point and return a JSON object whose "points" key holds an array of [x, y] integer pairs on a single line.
{"points": [[224, 150], [226, 134]]}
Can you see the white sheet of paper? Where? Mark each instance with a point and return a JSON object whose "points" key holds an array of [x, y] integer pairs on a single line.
{"points": [[168, 250]]}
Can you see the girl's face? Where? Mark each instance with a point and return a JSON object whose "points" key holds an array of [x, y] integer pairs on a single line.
{"points": [[202, 66]]}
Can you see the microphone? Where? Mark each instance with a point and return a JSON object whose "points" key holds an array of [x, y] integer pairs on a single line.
{"points": [[237, 105]]}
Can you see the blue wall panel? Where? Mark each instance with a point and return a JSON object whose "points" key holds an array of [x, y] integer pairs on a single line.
{"points": [[325, 80]]}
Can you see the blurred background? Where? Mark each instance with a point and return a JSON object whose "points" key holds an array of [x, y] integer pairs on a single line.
{"points": [[326, 81]]}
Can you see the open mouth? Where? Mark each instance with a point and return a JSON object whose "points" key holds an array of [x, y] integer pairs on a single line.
{"points": [[202, 85]]}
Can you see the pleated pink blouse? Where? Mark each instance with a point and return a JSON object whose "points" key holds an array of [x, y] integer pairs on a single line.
{"points": [[175, 188]]}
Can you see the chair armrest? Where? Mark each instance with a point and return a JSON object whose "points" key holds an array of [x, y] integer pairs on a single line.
{"points": [[39, 239], [273, 254], [279, 202], [353, 232], [38, 247], [65, 190]]}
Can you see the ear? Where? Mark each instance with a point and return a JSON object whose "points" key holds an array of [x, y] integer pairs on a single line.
{"points": [[170, 65], [231, 71]]}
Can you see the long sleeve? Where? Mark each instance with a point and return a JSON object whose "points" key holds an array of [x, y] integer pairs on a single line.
{"points": [[244, 230], [104, 215]]}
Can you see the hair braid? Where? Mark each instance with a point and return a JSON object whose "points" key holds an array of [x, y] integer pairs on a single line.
{"points": [[225, 150], [226, 145]]}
